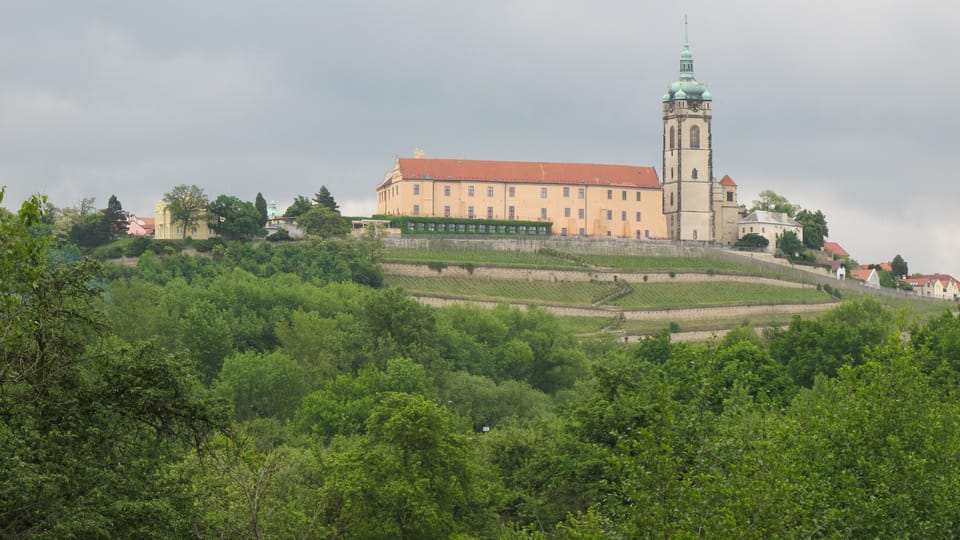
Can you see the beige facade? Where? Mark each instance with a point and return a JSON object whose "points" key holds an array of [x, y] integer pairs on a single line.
{"points": [[617, 201], [770, 225], [688, 170], [166, 229], [588, 200]]}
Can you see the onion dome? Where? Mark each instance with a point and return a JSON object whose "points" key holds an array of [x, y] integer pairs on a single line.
{"points": [[687, 87]]}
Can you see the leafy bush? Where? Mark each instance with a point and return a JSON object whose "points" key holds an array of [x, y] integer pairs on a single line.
{"points": [[137, 246], [436, 266]]}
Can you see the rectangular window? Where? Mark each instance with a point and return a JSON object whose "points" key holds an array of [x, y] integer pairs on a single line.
{"points": [[566, 192], [470, 191], [566, 212], [543, 213], [638, 196], [729, 196], [512, 213], [583, 232], [416, 209], [489, 212], [490, 191], [512, 190], [638, 216], [581, 213], [623, 195], [563, 231], [543, 193], [581, 193], [610, 194], [446, 211], [416, 189], [609, 215], [470, 212], [623, 215], [446, 191]]}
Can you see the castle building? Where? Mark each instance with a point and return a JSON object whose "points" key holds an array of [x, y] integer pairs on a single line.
{"points": [[588, 200]]}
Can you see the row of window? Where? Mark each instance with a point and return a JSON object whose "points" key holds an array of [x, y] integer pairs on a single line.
{"points": [[694, 137], [512, 191], [512, 211], [476, 228]]}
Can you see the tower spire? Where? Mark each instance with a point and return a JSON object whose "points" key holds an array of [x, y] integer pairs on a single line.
{"points": [[686, 57]]}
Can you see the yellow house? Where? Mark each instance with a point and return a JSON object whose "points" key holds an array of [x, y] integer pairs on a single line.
{"points": [[166, 229], [580, 199]]}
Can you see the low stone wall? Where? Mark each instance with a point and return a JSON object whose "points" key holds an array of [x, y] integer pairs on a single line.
{"points": [[577, 276]]}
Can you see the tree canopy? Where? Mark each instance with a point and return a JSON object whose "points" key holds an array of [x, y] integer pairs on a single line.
{"points": [[325, 199], [301, 205], [770, 201], [814, 228], [232, 218], [899, 267], [187, 206]]}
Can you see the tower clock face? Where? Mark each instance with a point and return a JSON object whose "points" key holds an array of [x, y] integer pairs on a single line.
{"points": [[694, 105]]}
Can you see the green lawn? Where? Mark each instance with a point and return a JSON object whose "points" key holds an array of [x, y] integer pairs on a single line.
{"points": [[501, 290], [658, 295], [644, 295]]}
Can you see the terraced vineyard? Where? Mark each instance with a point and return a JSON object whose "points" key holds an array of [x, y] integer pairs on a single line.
{"points": [[644, 295]]}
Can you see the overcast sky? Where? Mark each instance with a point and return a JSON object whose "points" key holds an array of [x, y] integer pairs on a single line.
{"points": [[848, 107]]}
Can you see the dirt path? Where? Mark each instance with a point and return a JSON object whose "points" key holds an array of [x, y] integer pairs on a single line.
{"points": [[533, 274], [666, 315]]}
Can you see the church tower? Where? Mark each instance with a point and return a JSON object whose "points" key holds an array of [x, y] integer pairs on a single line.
{"points": [[688, 155]]}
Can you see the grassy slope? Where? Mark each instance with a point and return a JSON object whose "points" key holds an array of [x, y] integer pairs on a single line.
{"points": [[644, 296]]}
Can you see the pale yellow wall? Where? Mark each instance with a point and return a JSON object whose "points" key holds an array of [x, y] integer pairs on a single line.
{"points": [[726, 214], [770, 231], [167, 230], [695, 218], [399, 198]]}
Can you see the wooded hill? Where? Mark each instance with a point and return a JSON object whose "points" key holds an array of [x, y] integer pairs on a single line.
{"points": [[283, 391]]}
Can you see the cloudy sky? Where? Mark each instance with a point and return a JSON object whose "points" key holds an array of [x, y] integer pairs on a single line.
{"points": [[848, 107]]}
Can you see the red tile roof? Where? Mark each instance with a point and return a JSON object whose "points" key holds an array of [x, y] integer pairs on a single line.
{"points": [[529, 172], [726, 181], [862, 274], [833, 247]]}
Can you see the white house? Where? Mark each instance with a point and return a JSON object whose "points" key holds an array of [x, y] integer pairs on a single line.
{"points": [[770, 225], [867, 275]]}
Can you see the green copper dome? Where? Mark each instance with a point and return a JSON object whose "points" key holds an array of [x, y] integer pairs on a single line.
{"points": [[687, 87]]}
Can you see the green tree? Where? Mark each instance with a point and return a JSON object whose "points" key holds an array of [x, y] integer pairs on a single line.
{"points": [[752, 240], [261, 385], [899, 267], [770, 201], [261, 205], [322, 222], [409, 477], [814, 228], [790, 245], [301, 205], [89, 424], [113, 216], [187, 205], [325, 199], [233, 219]]}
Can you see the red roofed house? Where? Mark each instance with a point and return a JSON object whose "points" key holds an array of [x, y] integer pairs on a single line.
{"points": [[834, 248], [935, 286], [867, 275], [581, 199], [139, 226]]}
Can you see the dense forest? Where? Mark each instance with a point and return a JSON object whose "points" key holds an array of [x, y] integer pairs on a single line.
{"points": [[277, 391]]}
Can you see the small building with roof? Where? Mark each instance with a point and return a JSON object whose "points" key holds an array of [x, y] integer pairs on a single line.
{"points": [[770, 225], [868, 276], [835, 250]]}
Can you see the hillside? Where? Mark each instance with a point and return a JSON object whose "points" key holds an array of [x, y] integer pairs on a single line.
{"points": [[628, 289]]}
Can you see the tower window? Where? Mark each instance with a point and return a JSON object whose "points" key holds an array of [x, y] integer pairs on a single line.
{"points": [[693, 174], [729, 196], [695, 137], [672, 137], [671, 200]]}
